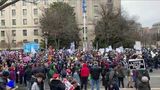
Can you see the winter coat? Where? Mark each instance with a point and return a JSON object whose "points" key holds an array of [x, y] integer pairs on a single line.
{"points": [[51, 71], [84, 71], [35, 86], [3, 83], [57, 85], [21, 70], [76, 77], [28, 74], [144, 86], [95, 72], [121, 72], [12, 74]]}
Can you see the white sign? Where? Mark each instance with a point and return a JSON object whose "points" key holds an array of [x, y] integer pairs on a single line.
{"points": [[137, 64], [138, 45], [120, 49]]}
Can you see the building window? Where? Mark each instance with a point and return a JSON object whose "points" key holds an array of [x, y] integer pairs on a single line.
{"points": [[24, 3], [36, 32], [96, 17], [2, 13], [35, 12], [13, 4], [36, 21], [3, 42], [24, 32], [2, 33], [14, 43], [45, 2], [24, 12], [25, 41], [95, 8], [2, 22], [13, 32], [109, 1], [13, 12], [36, 40], [13, 21], [24, 21]]}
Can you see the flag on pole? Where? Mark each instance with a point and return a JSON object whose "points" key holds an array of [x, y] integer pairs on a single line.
{"points": [[84, 6]]}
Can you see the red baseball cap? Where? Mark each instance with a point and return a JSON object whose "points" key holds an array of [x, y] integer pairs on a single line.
{"points": [[55, 75]]}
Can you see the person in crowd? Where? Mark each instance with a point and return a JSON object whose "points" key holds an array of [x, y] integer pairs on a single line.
{"points": [[84, 74], [68, 85], [12, 73], [113, 79], [21, 73], [105, 67], [11, 85], [106, 79], [56, 83], [39, 83], [144, 83], [121, 75], [74, 83], [28, 76], [76, 77], [130, 79], [4, 80], [51, 71], [95, 76]]}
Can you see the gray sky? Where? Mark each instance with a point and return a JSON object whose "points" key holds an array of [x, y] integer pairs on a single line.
{"points": [[147, 11]]}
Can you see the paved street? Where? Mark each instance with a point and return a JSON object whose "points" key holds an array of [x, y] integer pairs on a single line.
{"points": [[155, 82]]}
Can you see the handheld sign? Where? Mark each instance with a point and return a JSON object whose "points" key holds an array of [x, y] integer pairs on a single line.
{"points": [[136, 64]]}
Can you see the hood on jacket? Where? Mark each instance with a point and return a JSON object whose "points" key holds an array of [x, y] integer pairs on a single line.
{"points": [[52, 66], [84, 65]]}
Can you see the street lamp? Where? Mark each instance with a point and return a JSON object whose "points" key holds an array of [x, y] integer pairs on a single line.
{"points": [[45, 34]]}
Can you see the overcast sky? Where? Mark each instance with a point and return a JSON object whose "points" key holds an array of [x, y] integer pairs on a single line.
{"points": [[147, 11]]}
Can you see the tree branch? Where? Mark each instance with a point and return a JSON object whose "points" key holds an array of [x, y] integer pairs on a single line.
{"points": [[3, 2], [7, 4]]}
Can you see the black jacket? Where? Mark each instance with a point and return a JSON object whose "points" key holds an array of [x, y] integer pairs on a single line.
{"points": [[57, 85], [95, 72]]}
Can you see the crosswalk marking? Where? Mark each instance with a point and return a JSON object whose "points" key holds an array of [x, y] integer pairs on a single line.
{"points": [[134, 88], [155, 76]]}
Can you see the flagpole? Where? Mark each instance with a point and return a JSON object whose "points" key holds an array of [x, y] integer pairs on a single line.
{"points": [[84, 26]]}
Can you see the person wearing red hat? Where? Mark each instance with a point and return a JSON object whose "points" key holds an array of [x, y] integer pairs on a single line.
{"points": [[84, 73], [55, 83]]}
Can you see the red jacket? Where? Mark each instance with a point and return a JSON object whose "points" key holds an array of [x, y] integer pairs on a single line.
{"points": [[84, 71]]}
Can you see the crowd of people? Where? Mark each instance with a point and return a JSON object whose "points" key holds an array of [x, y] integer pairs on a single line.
{"points": [[80, 70]]}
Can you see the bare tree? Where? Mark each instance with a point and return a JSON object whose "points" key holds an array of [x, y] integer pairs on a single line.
{"points": [[9, 39], [114, 28], [6, 3]]}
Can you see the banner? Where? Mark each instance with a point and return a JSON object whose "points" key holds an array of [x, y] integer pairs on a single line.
{"points": [[137, 64], [30, 47], [138, 45]]}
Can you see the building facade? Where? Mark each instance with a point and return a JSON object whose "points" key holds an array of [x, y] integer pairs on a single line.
{"points": [[156, 33], [19, 23]]}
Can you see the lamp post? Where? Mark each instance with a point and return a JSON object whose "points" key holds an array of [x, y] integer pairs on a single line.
{"points": [[45, 39], [84, 26], [157, 37]]}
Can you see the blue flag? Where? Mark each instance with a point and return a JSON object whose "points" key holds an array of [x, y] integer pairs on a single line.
{"points": [[84, 6]]}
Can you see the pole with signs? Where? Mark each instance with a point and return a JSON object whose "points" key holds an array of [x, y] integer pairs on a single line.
{"points": [[84, 26]]}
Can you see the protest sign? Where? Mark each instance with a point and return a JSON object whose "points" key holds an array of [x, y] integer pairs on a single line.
{"points": [[137, 64]]}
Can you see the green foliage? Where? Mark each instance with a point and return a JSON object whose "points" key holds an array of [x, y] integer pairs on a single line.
{"points": [[114, 29], [59, 21], [42, 44]]}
